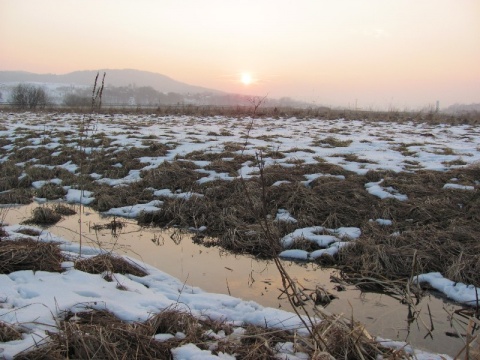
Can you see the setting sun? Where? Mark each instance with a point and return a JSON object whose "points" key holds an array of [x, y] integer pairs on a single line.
{"points": [[246, 78]]}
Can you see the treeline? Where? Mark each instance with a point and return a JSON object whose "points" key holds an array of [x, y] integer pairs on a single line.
{"points": [[30, 96], [148, 96]]}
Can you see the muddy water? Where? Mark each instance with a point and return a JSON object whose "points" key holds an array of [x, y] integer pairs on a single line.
{"points": [[214, 270]]}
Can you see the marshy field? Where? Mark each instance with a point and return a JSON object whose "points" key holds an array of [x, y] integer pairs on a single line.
{"points": [[386, 203]]}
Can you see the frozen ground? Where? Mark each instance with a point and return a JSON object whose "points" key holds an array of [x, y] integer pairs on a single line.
{"points": [[376, 145], [356, 146], [33, 302]]}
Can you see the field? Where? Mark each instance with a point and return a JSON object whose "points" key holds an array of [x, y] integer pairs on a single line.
{"points": [[382, 200]]}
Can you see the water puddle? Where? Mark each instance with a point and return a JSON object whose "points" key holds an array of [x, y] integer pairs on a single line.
{"points": [[215, 270]]}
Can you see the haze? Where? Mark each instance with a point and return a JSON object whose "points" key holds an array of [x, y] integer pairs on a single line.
{"points": [[373, 54]]}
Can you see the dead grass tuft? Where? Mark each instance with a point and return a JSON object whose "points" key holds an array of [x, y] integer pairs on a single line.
{"points": [[64, 210], [109, 263], [10, 174], [51, 191], [16, 196], [29, 254], [107, 197], [256, 343], [346, 340], [112, 225], [171, 175], [331, 142], [223, 166], [43, 216], [8, 332]]}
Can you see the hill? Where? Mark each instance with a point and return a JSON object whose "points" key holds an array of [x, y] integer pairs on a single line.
{"points": [[115, 77]]}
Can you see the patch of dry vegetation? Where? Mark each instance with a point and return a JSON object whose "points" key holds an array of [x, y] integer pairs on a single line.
{"points": [[98, 334], [29, 254], [44, 216], [109, 263], [172, 175], [9, 332], [436, 229], [437, 225], [64, 210], [16, 196], [10, 174], [107, 197], [51, 191]]}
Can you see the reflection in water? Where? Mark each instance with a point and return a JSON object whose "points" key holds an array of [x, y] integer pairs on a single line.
{"points": [[427, 325]]}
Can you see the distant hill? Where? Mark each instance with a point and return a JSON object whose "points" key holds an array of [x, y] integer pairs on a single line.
{"points": [[462, 108], [127, 87], [114, 77]]}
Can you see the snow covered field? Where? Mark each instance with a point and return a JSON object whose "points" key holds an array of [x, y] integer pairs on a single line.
{"points": [[220, 149]]}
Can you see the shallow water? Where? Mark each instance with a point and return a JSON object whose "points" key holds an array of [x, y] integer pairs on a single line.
{"points": [[215, 270]]}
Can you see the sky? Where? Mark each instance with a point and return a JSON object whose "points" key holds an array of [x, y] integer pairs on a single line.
{"points": [[369, 54]]}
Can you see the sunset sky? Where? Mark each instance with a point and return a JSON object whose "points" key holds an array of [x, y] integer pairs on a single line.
{"points": [[375, 53]]}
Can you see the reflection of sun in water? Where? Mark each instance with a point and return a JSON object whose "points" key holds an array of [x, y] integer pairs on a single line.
{"points": [[246, 78]]}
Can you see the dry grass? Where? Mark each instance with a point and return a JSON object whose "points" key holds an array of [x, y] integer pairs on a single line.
{"points": [[440, 227], [225, 211], [112, 225], [171, 175], [64, 210], [109, 263], [107, 197], [313, 112], [16, 196], [29, 254], [331, 142], [436, 223], [9, 332], [50, 192], [44, 216], [10, 174], [345, 339], [446, 218], [98, 334]]}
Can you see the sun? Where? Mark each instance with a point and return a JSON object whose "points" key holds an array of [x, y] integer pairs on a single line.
{"points": [[246, 78]]}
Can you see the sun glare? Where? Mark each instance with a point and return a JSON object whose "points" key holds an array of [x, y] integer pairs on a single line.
{"points": [[246, 78]]}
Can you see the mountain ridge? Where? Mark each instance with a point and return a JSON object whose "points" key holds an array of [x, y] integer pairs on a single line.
{"points": [[114, 77]]}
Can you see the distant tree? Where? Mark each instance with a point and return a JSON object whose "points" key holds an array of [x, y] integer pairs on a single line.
{"points": [[146, 95], [28, 96], [174, 98], [74, 100]]}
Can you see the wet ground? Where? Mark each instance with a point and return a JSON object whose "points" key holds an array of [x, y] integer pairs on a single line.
{"points": [[214, 270]]}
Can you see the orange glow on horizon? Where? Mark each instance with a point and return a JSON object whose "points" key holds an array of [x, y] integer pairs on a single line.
{"points": [[331, 53]]}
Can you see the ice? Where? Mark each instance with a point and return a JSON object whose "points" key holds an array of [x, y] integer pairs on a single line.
{"points": [[458, 187], [79, 196], [375, 189], [465, 294], [135, 210]]}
